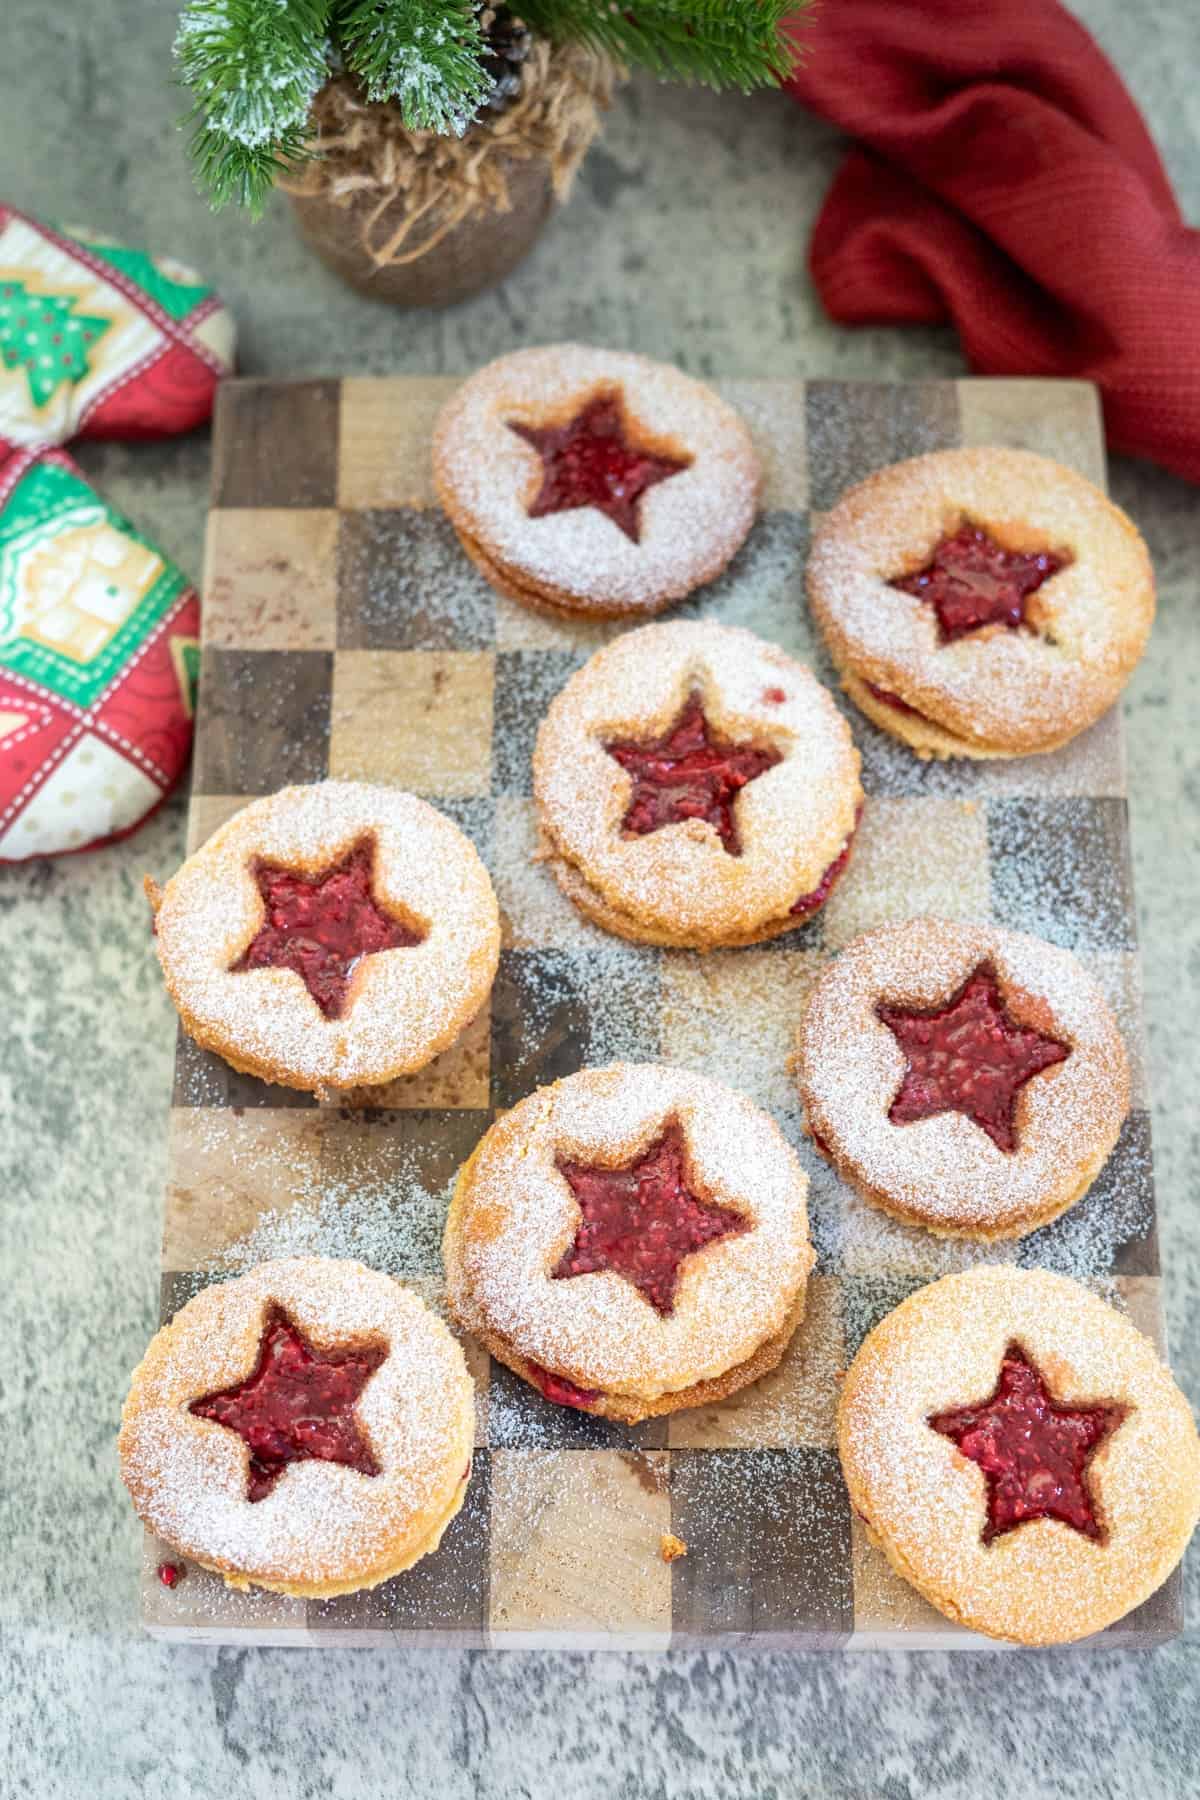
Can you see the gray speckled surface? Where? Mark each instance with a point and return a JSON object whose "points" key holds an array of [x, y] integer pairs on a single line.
{"points": [[85, 1053]]}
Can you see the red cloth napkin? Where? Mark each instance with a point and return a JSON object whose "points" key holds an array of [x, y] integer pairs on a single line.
{"points": [[1006, 183]]}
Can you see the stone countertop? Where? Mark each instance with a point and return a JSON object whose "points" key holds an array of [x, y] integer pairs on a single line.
{"points": [[94, 1708]]}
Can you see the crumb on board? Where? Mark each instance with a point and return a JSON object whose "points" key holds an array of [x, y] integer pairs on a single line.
{"points": [[670, 1547]]}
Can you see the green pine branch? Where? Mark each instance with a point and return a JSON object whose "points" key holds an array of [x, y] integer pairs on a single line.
{"points": [[426, 55], [718, 43], [253, 67]]}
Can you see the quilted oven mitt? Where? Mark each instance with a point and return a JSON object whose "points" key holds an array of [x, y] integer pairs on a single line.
{"points": [[98, 630]]}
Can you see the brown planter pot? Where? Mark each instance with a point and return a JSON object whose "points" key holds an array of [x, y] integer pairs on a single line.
{"points": [[473, 253], [423, 220]]}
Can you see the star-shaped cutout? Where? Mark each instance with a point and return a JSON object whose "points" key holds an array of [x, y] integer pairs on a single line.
{"points": [[591, 461], [298, 1405], [642, 1221], [322, 926], [972, 581], [689, 773], [1033, 1452], [970, 1057]]}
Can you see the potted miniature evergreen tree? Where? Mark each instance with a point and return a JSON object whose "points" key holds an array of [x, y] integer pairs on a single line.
{"points": [[423, 142]]}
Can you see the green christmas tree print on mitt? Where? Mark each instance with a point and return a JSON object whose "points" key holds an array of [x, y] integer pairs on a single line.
{"points": [[42, 334]]}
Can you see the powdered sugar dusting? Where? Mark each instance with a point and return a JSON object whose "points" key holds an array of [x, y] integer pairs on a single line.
{"points": [[793, 821], [405, 1005], [514, 1216], [1013, 690], [945, 1171], [393, 1224], [690, 525], [941, 1349], [323, 1523]]}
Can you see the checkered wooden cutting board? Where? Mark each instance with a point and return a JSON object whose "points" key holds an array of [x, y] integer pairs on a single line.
{"points": [[345, 634]]}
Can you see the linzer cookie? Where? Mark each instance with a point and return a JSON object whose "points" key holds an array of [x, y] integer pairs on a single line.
{"points": [[594, 482], [631, 1241], [982, 602], [1020, 1454], [695, 787], [307, 1428], [329, 937], [962, 1077]]}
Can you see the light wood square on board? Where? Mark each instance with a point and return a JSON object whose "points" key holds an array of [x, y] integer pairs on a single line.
{"points": [[1092, 763], [386, 432], [1059, 419], [912, 856], [795, 1404], [201, 1602], [418, 719], [227, 1168], [774, 414], [271, 578], [735, 1016], [1141, 1297], [208, 812], [887, 1608], [870, 1242], [575, 1552]]}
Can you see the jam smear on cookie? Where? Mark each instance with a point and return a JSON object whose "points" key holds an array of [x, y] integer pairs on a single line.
{"points": [[321, 926], [1033, 1451], [968, 1056], [298, 1404], [972, 581], [809, 903], [561, 1391]]}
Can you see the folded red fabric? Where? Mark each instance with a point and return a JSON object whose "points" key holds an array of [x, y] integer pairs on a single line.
{"points": [[1007, 183]]}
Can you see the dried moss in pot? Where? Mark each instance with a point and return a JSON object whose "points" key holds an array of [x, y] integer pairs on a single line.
{"points": [[421, 219]]}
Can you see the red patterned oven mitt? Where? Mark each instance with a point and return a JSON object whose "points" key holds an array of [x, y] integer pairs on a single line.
{"points": [[98, 630]]}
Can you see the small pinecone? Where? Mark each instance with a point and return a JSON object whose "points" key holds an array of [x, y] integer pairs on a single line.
{"points": [[508, 42]]}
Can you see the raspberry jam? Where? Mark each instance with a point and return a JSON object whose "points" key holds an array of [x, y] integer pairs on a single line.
{"points": [[1033, 1451], [323, 925], [297, 1405], [591, 462], [893, 700], [642, 1221], [170, 1574], [810, 903], [973, 581], [968, 1056], [689, 774], [562, 1391]]}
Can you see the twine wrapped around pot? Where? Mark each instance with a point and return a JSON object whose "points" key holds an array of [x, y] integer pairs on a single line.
{"points": [[422, 220]]}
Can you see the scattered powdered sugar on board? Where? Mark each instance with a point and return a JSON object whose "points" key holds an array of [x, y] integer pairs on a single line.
{"points": [[392, 1222], [396, 1229]]}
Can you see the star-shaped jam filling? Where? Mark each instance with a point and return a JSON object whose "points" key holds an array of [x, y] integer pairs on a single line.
{"points": [[591, 461], [973, 581], [968, 1056], [323, 925], [1033, 1452], [689, 773], [642, 1221], [298, 1405]]}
